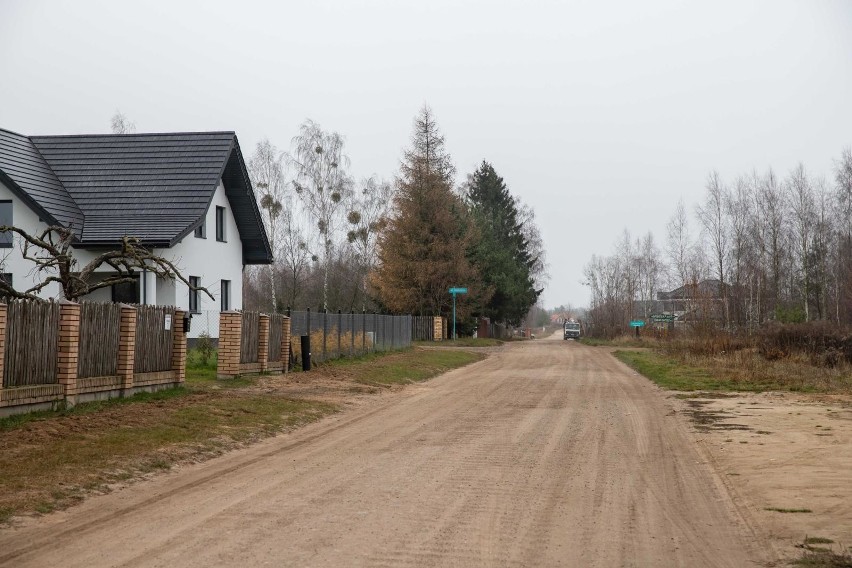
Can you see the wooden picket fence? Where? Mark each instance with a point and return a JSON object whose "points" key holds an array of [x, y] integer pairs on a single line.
{"points": [[99, 337], [276, 321], [32, 337], [154, 342], [250, 337]]}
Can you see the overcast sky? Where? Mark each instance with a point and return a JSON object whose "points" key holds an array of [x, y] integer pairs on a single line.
{"points": [[601, 115]]}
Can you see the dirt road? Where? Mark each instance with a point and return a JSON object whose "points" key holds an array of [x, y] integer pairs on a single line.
{"points": [[548, 453]]}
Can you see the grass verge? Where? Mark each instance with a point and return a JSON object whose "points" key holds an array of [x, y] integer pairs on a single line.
{"points": [[403, 367], [49, 460], [739, 371]]}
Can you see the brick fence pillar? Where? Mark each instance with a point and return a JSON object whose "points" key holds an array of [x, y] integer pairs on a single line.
{"points": [[263, 342], [3, 313], [68, 349], [438, 326], [179, 347], [230, 334], [126, 347], [285, 343]]}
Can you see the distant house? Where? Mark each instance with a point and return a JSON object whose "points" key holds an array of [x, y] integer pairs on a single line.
{"points": [[187, 196], [700, 300]]}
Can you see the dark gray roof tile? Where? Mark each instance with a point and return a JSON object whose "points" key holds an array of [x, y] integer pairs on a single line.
{"points": [[153, 186]]}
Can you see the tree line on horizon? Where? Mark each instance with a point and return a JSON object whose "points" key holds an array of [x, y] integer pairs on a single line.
{"points": [[391, 245], [771, 249]]}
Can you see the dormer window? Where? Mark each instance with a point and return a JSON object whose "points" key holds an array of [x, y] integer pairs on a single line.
{"points": [[220, 224]]}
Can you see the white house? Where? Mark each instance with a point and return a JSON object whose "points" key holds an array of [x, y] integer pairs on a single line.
{"points": [[187, 196]]}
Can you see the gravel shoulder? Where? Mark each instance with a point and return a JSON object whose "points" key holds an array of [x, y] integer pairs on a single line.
{"points": [[548, 453]]}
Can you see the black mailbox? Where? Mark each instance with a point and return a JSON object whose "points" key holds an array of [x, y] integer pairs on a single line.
{"points": [[187, 319]]}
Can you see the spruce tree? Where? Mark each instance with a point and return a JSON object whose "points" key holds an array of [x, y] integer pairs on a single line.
{"points": [[424, 248], [502, 254]]}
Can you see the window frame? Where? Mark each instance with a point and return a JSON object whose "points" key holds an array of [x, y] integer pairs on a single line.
{"points": [[201, 230], [224, 295], [193, 294], [221, 234], [8, 234]]}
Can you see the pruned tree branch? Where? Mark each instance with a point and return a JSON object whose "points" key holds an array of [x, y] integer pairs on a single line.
{"points": [[52, 253]]}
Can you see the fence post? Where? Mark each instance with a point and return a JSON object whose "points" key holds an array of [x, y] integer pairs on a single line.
{"points": [[363, 331], [324, 334], [230, 334], [126, 348], [352, 333], [285, 342], [4, 311], [68, 349], [263, 342], [339, 328], [179, 347]]}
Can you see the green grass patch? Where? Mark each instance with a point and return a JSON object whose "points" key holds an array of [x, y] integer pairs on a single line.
{"points": [[824, 559], [671, 374], [19, 420], [676, 373], [409, 366], [462, 342], [818, 540], [74, 454]]}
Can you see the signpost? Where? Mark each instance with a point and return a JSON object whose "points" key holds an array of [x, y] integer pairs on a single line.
{"points": [[663, 318], [454, 292], [637, 324]]}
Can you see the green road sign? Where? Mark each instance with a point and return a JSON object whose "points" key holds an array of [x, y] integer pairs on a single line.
{"points": [[663, 317], [637, 323], [454, 292]]}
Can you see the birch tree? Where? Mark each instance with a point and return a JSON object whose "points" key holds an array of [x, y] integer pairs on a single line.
{"points": [[322, 183]]}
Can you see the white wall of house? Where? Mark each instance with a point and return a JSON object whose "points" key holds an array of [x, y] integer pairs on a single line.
{"points": [[210, 260], [12, 259]]}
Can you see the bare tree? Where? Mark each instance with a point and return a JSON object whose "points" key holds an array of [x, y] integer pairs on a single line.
{"points": [[53, 257], [678, 246], [266, 168], [539, 269], [322, 183], [120, 124], [367, 212], [800, 197], [714, 221]]}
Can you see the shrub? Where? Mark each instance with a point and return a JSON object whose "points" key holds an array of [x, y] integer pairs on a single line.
{"points": [[204, 347]]}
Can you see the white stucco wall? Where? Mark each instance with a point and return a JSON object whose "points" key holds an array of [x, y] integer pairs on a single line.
{"points": [[212, 261], [12, 259]]}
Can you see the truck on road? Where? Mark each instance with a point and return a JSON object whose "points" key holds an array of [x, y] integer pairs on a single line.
{"points": [[571, 330]]}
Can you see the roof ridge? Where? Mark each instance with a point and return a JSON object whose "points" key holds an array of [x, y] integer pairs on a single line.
{"points": [[13, 132], [110, 135]]}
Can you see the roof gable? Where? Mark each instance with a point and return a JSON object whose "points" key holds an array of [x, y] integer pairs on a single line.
{"points": [[156, 187], [27, 174]]}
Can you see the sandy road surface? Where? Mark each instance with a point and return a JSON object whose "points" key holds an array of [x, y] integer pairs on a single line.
{"points": [[548, 453]]}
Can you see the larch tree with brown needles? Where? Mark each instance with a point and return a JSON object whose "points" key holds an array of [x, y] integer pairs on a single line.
{"points": [[424, 248]]}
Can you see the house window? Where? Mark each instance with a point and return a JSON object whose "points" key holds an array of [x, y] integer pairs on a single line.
{"points": [[6, 219], [201, 230], [194, 282], [226, 295], [220, 224], [126, 292]]}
